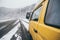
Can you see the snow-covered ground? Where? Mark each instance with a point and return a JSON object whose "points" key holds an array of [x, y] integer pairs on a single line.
{"points": [[15, 4], [9, 35]]}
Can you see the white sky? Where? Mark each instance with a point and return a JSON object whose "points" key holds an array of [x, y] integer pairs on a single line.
{"points": [[16, 3]]}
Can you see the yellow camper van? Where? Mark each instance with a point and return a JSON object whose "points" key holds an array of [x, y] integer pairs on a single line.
{"points": [[45, 20]]}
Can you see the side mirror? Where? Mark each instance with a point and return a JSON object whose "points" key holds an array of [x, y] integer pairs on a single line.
{"points": [[28, 15]]}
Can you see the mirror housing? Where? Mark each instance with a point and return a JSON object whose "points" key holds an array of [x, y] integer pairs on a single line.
{"points": [[28, 15]]}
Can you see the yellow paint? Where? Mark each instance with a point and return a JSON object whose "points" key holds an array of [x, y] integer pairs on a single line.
{"points": [[44, 32]]}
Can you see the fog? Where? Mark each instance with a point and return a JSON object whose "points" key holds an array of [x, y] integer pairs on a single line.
{"points": [[16, 3]]}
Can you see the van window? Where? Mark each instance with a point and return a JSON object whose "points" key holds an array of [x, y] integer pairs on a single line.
{"points": [[36, 14], [52, 16]]}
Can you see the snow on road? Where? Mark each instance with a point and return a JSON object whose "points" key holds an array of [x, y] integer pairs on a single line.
{"points": [[10, 33], [16, 4]]}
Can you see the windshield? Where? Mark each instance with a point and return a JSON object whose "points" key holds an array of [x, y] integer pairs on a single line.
{"points": [[52, 17]]}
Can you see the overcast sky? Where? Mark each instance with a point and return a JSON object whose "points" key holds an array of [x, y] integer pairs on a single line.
{"points": [[16, 3]]}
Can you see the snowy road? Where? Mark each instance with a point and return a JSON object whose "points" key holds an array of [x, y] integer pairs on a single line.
{"points": [[7, 32], [10, 30]]}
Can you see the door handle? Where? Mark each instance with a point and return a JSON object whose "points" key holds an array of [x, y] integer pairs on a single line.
{"points": [[35, 31]]}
